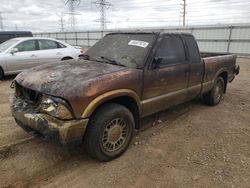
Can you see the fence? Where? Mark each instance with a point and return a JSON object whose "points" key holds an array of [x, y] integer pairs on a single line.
{"points": [[226, 38]]}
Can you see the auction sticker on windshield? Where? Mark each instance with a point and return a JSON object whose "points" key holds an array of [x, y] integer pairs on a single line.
{"points": [[138, 43]]}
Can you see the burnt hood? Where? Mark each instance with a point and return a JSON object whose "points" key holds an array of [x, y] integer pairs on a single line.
{"points": [[59, 79]]}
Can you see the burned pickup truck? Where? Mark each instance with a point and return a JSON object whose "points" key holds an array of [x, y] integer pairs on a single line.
{"points": [[100, 99]]}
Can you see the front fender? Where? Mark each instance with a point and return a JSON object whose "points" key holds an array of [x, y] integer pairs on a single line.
{"points": [[92, 106]]}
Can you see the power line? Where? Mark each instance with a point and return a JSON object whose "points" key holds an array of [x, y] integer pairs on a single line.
{"points": [[173, 5], [61, 22], [103, 5]]}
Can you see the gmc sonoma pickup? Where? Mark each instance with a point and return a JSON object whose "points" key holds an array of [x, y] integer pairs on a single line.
{"points": [[100, 99]]}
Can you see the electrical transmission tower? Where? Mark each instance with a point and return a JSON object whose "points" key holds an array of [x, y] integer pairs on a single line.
{"points": [[1, 21], [184, 12], [103, 5], [61, 22], [72, 19]]}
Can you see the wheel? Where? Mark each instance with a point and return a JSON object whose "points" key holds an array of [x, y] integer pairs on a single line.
{"points": [[66, 58], [214, 96], [109, 132], [1, 73]]}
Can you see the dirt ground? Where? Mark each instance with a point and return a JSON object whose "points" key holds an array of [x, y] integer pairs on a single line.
{"points": [[190, 145]]}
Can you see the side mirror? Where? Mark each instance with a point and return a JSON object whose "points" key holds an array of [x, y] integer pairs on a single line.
{"points": [[156, 62], [13, 50]]}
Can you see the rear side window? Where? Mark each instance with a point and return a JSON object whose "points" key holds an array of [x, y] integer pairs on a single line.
{"points": [[193, 51], [29, 45], [60, 45], [171, 50], [47, 44]]}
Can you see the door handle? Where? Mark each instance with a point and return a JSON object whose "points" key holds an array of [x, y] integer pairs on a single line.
{"points": [[33, 55], [58, 53]]}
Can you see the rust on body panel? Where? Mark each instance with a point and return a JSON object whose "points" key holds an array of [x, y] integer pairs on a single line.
{"points": [[215, 65], [85, 81], [59, 99], [108, 96], [164, 87]]}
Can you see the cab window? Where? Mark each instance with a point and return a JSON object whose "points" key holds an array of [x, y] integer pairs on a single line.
{"points": [[170, 50], [193, 50]]}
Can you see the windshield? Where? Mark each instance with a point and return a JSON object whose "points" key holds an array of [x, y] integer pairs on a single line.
{"points": [[4, 46], [125, 49]]}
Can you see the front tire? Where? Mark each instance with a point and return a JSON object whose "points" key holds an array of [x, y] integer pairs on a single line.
{"points": [[1, 73], [109, 132], [214, 96]]}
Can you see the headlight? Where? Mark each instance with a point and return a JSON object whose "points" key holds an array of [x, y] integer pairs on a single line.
{"points": [[55, 107]]}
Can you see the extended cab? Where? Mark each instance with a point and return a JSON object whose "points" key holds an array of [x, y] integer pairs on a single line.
{"points": [[124, 77]]}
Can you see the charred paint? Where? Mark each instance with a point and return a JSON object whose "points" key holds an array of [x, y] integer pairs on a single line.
{"points": [[85, 85], [79, 82]]}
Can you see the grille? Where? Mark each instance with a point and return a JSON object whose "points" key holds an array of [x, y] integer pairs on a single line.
{"points": [[27, 94]]}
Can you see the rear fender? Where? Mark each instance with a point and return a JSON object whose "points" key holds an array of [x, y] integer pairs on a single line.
{"points": [[222, 70]]}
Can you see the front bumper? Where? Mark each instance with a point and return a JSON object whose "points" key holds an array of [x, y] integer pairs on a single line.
{"points": [[64, 131]]}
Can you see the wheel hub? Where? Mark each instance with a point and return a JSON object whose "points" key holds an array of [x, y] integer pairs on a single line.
{"points": [[115, 134]]}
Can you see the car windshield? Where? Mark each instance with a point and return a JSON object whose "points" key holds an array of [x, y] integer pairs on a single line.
{"points": [[125, 49], [4, 46]]}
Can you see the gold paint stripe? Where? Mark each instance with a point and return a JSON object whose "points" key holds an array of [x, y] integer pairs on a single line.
{"points": [[108, 96]]}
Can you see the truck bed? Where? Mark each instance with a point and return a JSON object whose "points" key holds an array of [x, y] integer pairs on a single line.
{"points": [[212, 54], [216, 63]]}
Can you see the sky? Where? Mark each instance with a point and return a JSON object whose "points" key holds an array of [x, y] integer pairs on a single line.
{"points": [[45, 16]]}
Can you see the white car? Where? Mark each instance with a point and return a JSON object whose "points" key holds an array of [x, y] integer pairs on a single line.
{"points": [[22, 53]]}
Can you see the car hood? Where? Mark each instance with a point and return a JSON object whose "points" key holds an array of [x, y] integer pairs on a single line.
{"points": [[58, 79]]}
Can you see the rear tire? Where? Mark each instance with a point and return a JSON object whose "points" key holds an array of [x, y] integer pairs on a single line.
{"points": [[1, 73], [214, 96], [109, 132], [66, 58]]}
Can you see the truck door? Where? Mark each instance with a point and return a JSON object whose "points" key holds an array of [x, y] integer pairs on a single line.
{"points": [[166, 81], [196, 67]]}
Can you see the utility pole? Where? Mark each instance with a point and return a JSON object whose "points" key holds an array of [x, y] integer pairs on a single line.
{"points": [[1, 21], [184, 12], [16, 27], [72, 19], [61, 22], [102, 5]]}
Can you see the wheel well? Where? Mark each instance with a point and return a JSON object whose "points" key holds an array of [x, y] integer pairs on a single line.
{"points": [[224, 75], [129, 103], [66, 58]]}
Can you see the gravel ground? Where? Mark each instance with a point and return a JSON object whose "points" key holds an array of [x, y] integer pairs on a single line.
{"points": [[190, 145]]}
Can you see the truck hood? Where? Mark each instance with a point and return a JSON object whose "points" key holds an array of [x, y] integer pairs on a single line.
{"points": [[58, 79]]}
